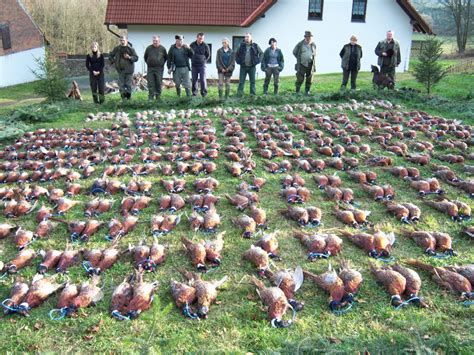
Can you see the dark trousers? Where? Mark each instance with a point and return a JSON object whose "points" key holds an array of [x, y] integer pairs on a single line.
{"points": [[198, 71], [302, 74], [125, 84], [269, 72], [154, 77], [389, 71], [243, 75], [345, 77], [97, 87]]}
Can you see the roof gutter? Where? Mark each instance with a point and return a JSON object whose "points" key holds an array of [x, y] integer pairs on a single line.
{"points": [[116, 34]]}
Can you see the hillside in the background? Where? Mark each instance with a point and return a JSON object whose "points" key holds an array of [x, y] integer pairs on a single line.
{"points": [[71, 25]]}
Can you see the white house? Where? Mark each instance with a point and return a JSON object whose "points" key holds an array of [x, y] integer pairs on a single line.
{"points": [[331, 21], [21, 42]]}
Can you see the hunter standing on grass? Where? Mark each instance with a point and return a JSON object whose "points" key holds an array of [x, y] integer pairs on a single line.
{"points": [[272, 64], [155, 58], [225, 63], [178, 64], [198, 64], [95, 64], [389, 55], [248, 56], [350, 54], [124, 58], [305, 53]]}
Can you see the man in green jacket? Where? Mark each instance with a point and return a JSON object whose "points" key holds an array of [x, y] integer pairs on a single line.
{"points": [[155, 59], [178, 64], [124, 57], [305, 53], [389, 55]]}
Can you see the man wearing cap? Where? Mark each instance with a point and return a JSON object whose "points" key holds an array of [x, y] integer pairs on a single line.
{"points": [[248, 56], [305, 53], [198, 64], [178, 64], [350, 55], [272, 64], [155, 59], [124, 57], [388, 51]]}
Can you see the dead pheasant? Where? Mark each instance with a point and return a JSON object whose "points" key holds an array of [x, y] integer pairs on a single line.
{"points": [[289, 282]]}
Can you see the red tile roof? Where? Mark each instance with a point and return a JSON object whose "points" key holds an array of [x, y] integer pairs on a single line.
{"points": [[186, 12], [240, 13]]}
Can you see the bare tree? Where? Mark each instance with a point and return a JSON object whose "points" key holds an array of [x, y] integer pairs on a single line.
{"points": [[461, 11]]}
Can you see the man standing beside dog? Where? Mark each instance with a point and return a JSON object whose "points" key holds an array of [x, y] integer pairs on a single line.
{"points": [[388, 52]]}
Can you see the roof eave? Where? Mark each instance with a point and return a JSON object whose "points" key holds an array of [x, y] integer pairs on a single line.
{"points": [[261, 9], [418, 22]]}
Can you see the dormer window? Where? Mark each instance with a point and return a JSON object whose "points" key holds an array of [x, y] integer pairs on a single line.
{"points": [[315, 9], [359, 8]]}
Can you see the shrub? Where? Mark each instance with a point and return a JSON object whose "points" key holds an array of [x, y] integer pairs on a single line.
{"points": [[51, 79], [428, 70]]}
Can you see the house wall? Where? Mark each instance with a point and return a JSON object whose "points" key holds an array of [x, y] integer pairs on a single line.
{"points": [[16, 68], [286, 21], [23, 32]]}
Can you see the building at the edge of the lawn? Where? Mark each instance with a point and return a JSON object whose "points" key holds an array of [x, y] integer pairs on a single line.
{"points": [[331, 21], [21, 41]]}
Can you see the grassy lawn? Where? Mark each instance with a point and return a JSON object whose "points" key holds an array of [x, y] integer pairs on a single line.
{"points": [[238, 323]]}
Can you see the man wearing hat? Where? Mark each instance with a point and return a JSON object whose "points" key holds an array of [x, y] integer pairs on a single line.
{"points": [[388, 51], [305, 53], [178, 64], [272, 64]]}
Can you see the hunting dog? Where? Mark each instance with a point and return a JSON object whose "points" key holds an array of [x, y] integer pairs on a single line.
{"points": [[381, 80]]}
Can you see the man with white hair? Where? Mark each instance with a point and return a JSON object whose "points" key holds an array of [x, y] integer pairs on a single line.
{"points": [[388, 51], [155, 59]]}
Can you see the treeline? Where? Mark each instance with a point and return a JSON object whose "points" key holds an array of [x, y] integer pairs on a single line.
{"points": [[438, 16], [71, 25]]}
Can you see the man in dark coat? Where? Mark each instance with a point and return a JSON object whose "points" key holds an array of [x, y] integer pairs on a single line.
{"points": [[388, 51], [350, 55], [178, 64], [198, 64], [248, 56], [155, 59], [124, 58]]}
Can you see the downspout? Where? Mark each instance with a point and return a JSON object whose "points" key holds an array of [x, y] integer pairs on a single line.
{"points": [[116, 34]]}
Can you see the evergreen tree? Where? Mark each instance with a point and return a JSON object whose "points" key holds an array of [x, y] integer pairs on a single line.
{"points": [[428, 70]]}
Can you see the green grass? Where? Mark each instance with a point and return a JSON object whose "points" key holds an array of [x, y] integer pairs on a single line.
{"points": [[238, 323]]}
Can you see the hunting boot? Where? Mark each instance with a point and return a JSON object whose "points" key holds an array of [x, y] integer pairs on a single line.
{"points": [[298, 88], [101, 98], [188, 92], [307, 89], [221, 92], [95, 98], [178, 91], [227, 92], [265, 89], [275, 89]]}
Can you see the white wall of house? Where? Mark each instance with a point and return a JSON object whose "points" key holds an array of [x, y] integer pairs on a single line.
{"points": [[286, 21], [16, 68]]}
